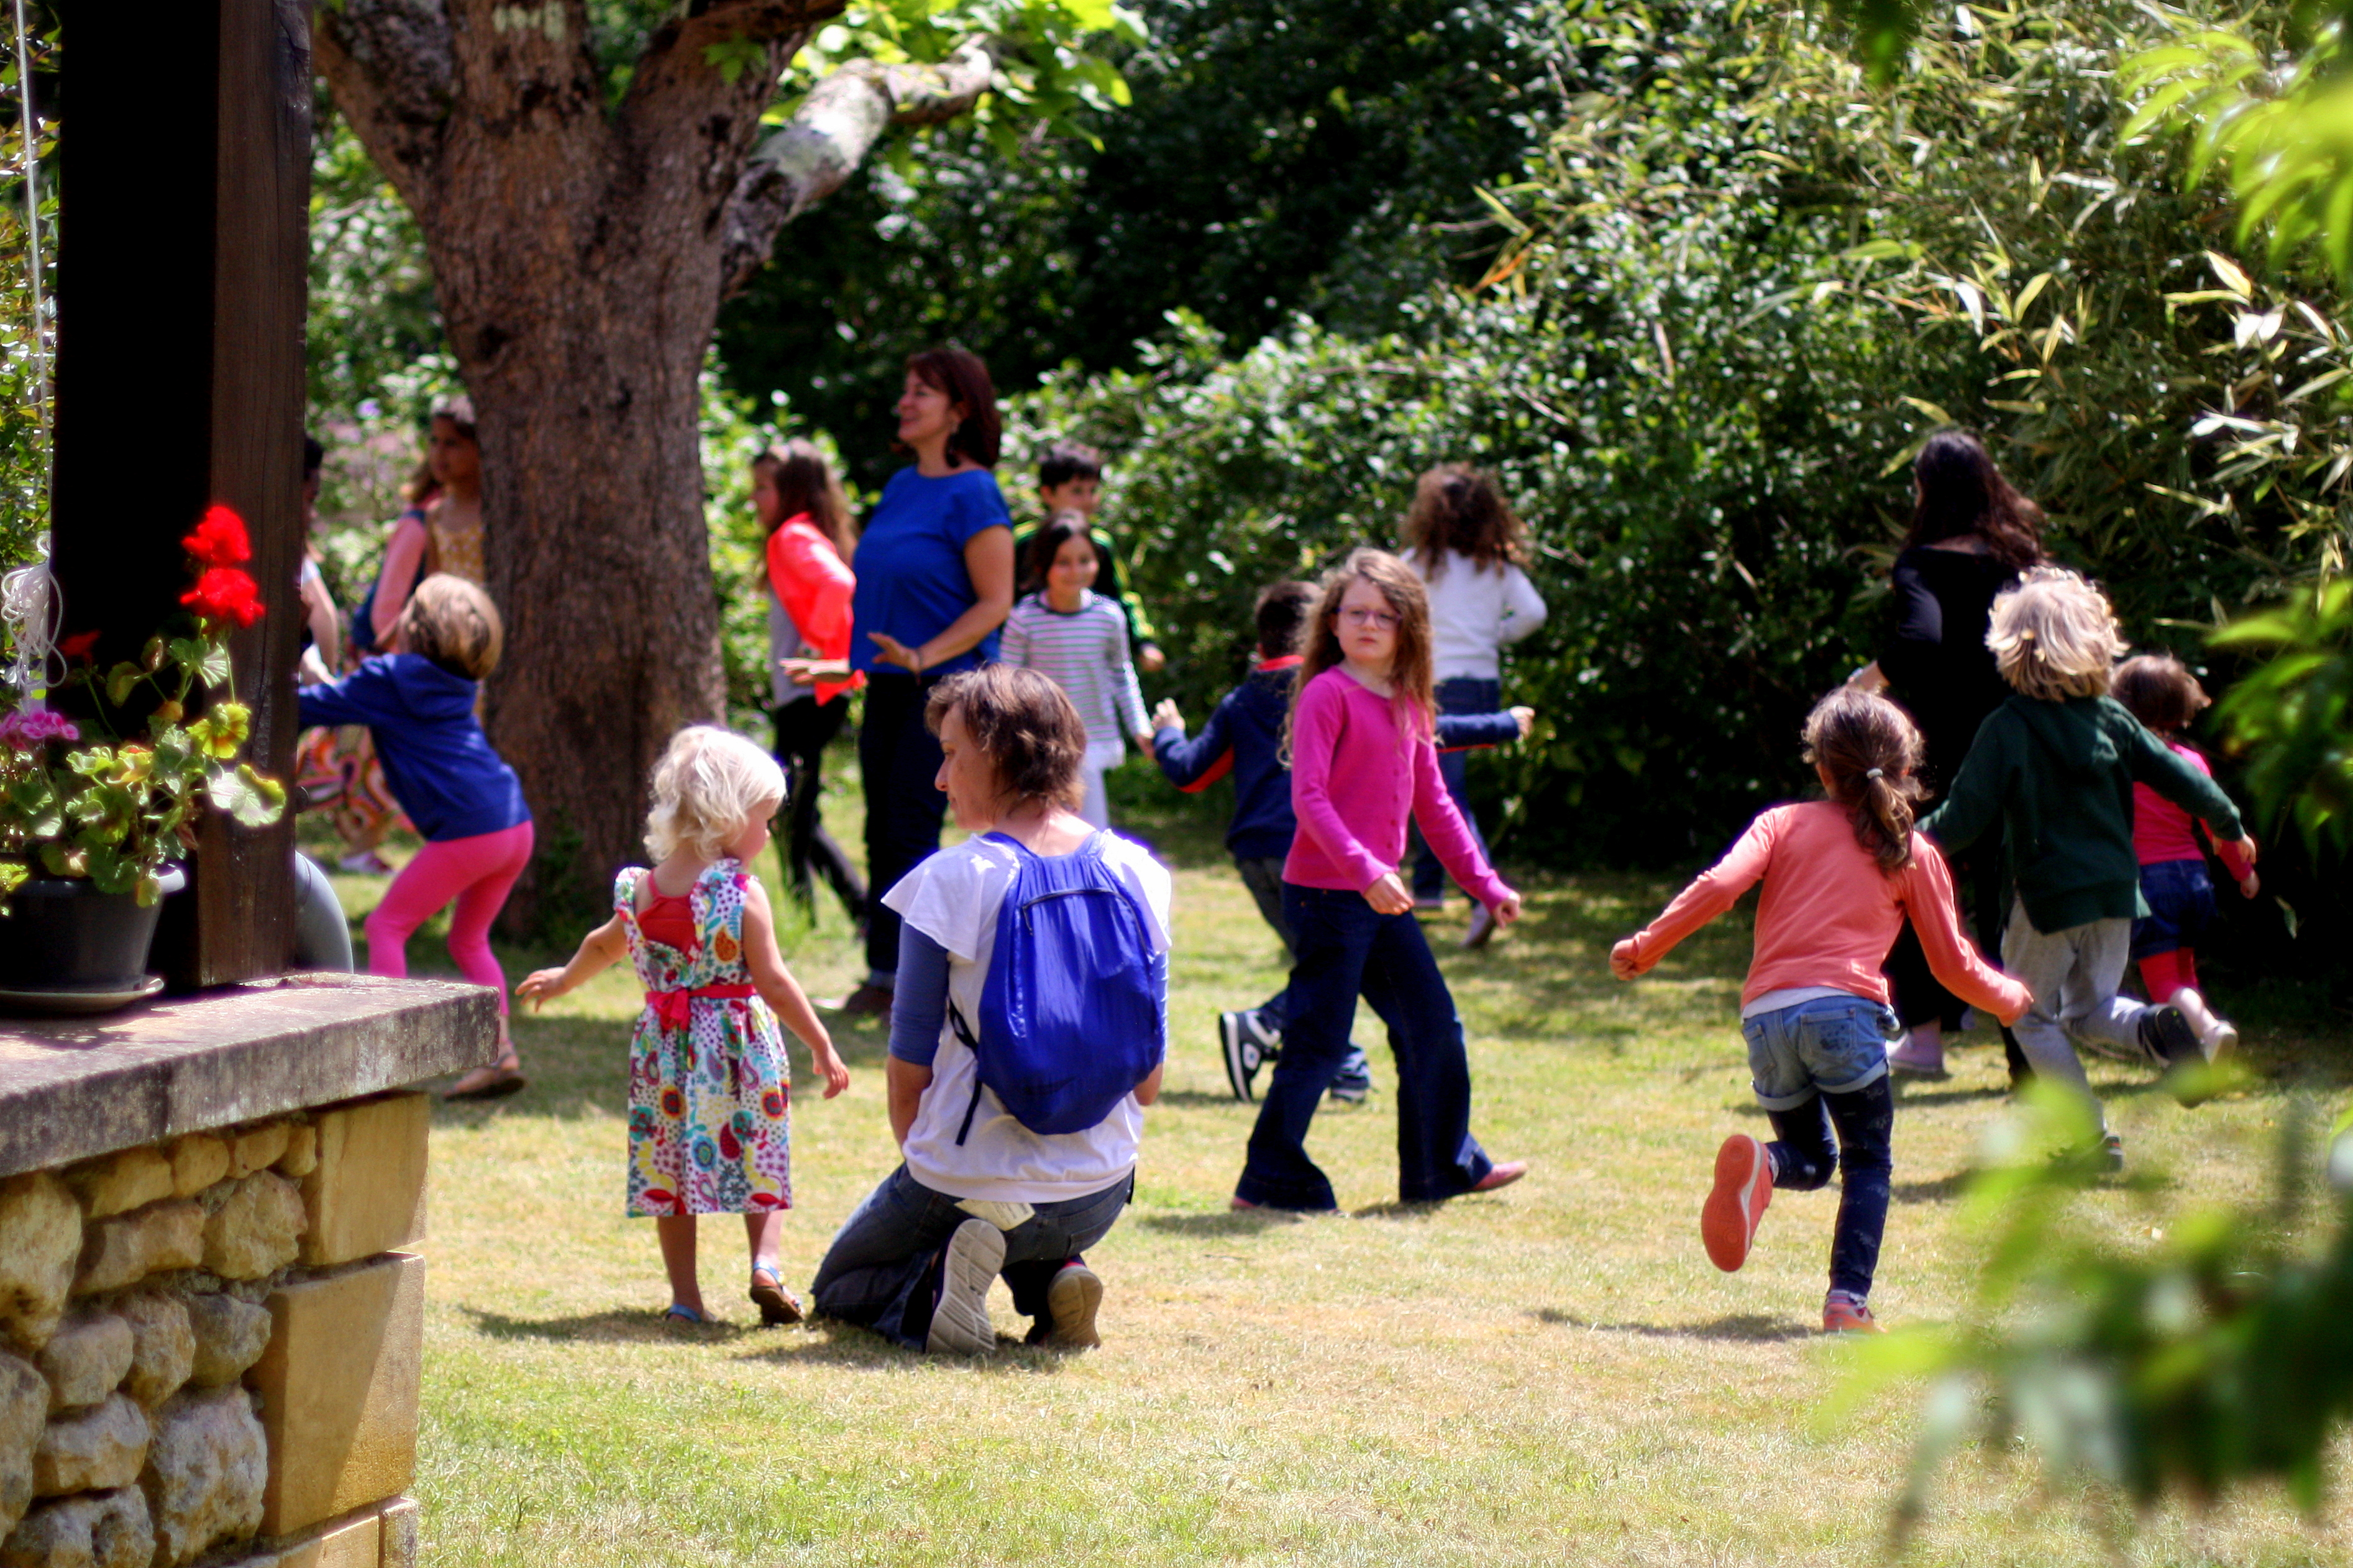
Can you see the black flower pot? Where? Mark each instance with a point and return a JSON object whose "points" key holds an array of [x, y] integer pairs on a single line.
{"points": [[63, 937]]}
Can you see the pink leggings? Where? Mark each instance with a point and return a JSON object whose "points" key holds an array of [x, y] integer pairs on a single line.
{"points": [[478, 872]]}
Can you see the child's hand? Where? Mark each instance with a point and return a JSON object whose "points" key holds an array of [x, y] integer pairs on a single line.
{"points": [[1144, 742], [2246, 847], [1150, 660], [540, 985], [2250, 885], [836, 1073], [1622, 961], [1508, 910], [1387, 895], [1526, 718], [1165, 717]]}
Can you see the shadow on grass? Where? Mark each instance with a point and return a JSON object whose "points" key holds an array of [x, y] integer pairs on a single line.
{"points": [[1944, 1189], [855, 1349], [1753, 1327], [617, 1326], [1223, 1222]]}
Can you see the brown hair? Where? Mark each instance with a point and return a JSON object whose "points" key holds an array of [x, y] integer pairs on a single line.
{"points": [[1068, 460], [1871, 751], [1457, 507], [1024, 723], [806, 487], [1409, 671], [1047, 544], [1963, 496], [2161, 692], [959, 373], [453, 624], [1281, 610], [422, 486]]}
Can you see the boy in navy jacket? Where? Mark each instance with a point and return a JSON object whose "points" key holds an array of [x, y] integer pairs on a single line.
{"points": [[1244, 738]]}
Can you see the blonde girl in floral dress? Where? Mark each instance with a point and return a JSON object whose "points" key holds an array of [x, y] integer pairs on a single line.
{"points": [[710, 1084]]}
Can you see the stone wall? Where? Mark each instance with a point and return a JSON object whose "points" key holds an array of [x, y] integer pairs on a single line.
{"points": [[212, 1345]]}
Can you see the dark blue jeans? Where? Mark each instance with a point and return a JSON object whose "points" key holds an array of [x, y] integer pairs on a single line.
{"points": [[900, 761], [1457, 694], [882, 1267], [1345, 949], [1821, 1070]]}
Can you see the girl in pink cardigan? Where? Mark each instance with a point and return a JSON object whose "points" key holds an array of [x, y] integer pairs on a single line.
{"points": [[1361, 760], [1839, 877]]}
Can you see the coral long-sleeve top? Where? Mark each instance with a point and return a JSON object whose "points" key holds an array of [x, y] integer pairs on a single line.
{"points": [[814, 585], [1828, 914], [1358, 765]]}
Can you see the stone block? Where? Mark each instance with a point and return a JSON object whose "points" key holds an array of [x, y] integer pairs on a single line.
{"points": [[257, 1148], [92, 1450], [302, 1156], [121, 1182], [367, 1193], [40, 1241], [205, 1474], [86, 1359], [128, 1247], [354, 1542], [230, 1336], [198, 1159], [164, 1345], [401, 1547], [24, 1409], [254, 1232], [339, 1389], [96, 1530]]}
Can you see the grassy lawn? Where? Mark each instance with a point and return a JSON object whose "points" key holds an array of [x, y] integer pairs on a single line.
{"points": [[1552, 1373]]}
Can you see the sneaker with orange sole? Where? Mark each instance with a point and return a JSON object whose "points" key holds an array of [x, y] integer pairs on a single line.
{"points": [[1743, 1186], [1843, 1312]]}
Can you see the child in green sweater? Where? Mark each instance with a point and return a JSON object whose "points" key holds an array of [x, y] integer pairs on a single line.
{"points": [[2056, 766]]}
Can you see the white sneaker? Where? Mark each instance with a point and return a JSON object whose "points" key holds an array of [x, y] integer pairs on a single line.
{"points": [[960, 1324]]}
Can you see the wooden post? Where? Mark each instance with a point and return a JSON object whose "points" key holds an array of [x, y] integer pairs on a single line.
{"points": [[182, 290]]}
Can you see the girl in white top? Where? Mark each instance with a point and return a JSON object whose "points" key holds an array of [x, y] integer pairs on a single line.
{"points": [[1469, 550], [916, 1261], [1078, 639]]}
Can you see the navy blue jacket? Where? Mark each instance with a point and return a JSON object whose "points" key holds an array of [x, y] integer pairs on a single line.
{"points": [[435, 757], [1244, 737]]}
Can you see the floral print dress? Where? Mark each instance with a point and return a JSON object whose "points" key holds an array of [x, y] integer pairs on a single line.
{"points": [[709, 1087]]}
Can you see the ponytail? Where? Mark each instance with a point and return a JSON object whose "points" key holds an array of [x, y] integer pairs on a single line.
{"points": [[1871, 752]]}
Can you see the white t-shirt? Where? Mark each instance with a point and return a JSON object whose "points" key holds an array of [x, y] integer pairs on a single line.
{"points": [[952, 898], [1474, 613]]}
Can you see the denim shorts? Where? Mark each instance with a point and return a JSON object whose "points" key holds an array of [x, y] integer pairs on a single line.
{"points": [[1832, 1045], [2180, 896]]}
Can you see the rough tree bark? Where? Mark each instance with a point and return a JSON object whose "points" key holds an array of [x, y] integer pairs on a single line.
{"points": [[580, 252]]}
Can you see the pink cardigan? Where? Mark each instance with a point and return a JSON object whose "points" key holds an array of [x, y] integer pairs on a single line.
{"points": [[1354, 776]]}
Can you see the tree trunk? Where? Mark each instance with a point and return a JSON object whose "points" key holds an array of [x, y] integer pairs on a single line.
{"points": [[579, 252]]}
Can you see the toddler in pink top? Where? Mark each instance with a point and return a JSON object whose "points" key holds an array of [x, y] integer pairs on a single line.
{"points": [[1840, 875], [1362, 758]]}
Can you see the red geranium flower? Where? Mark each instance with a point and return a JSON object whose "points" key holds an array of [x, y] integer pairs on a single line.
{"points": [[224, 594], [220, 539], [79, 645]]}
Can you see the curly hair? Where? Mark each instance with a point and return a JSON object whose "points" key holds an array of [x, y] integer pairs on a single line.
{"points": [[707, 786], [1409, 668], [1025, 725], [2053, 636], [1456, 506]]}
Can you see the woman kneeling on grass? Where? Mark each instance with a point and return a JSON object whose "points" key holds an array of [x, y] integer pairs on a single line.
{"points": [[979, 1192]]}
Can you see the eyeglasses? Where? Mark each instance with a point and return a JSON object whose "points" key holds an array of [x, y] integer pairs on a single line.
{"points": [[1382, 618]]}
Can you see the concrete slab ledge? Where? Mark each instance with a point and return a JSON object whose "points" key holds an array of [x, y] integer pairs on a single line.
{"points": [[72, 1087]]}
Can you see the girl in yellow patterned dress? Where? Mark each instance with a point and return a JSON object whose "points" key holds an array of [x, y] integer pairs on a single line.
{"points": [[709, 1085]]}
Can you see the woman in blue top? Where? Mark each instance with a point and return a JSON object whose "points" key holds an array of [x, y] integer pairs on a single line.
{"points": [[935, 581]]}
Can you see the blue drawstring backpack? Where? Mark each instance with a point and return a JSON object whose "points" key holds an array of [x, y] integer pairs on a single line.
{"points": [[1073, 1014]]}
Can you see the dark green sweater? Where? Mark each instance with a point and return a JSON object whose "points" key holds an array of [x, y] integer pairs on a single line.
{"points": [[2058, 777]]}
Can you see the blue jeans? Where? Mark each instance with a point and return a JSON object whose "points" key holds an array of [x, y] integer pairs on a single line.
{"points": [[1344, 950], [2180, 897], [1820, 1071], [1456, 694], [882, 1270]]}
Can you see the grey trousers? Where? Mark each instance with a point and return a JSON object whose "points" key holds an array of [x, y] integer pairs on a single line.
{"points": [[2073, 975]]}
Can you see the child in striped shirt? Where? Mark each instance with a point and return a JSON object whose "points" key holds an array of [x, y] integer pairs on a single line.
{"points": [[1078, 639]]}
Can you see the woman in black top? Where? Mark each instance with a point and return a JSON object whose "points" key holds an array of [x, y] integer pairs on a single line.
{"points": [[1971, 535]]}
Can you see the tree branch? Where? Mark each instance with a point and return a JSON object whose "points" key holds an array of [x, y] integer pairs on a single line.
{"points": [[830, 135], [393, 67]]}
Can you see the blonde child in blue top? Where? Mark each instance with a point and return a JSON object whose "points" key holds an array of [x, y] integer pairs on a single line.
{"points": [[709, 1085]]}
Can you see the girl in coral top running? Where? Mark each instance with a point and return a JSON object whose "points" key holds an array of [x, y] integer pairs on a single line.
{"points": [[1841, 875], [1362, 758]]}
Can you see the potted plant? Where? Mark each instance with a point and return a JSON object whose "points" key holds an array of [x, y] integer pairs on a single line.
{"points": [[93, 812]]}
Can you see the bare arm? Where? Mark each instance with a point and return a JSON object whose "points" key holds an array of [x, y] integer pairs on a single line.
{"points": [[907, 1082], [988, 557], [1149, 1090], [326, 631], [599, 951], [781, 991], [402, 558]]}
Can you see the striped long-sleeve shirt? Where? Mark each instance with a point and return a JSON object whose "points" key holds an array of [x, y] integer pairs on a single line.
{"points": [[1085, 653]]}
